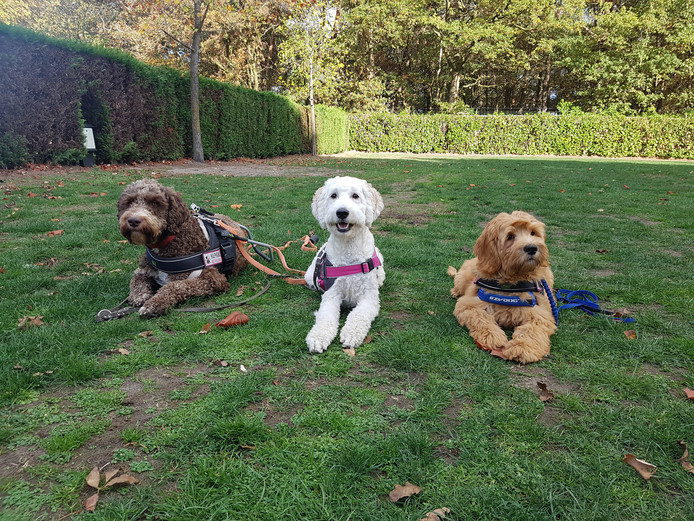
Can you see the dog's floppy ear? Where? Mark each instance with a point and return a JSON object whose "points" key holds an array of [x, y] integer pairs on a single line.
{"points": [[178, 211], [375, 206], [487, 246], [318, 207]]}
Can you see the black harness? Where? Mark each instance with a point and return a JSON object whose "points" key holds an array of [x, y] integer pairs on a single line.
{"points": [[221, 254]]}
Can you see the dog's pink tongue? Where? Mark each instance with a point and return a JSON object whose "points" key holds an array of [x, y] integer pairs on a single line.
{"points": [[342, 226]]}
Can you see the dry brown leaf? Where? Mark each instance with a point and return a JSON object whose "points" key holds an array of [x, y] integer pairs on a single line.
{"points": [[123, 351], [545, 394], [240, 291], [689, 393], [26, 321], [123, 479], [236, 207], [18, 367], [90, 504], [93, 478], [145, 334], [436, 515], [349, 351], [642, 467], [108, 475], [684, 460], [205, 329], [403, 492], [630, 334], [368, 339], [55, 233], [235, 319]]}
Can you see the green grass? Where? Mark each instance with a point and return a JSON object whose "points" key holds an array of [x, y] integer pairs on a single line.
{"points": [[329, 436]]}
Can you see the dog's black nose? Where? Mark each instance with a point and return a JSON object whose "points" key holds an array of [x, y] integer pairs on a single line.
{"points": [[342, 213], [530, 249], [134, 222]]}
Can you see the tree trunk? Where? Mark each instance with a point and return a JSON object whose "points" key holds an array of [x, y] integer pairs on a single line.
{"points": [[454, 91], [309, 43], [198, 21]]}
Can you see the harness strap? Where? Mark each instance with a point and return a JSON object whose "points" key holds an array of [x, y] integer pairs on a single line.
{"points": [[353, 269], [243, 248]]}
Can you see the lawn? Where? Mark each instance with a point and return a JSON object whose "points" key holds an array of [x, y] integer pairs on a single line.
{"points": [[243, 423]]}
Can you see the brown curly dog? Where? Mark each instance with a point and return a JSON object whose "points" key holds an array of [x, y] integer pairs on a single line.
{"points": [[500, 288], [155, 216]]}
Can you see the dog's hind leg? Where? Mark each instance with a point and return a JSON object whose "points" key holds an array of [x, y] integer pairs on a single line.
{"points": [[359, 320], [327, 321]]}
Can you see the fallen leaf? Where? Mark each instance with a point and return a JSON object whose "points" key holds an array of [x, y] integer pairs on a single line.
{"points": [[145, 334], [32, 194], [123, 479], [90, 504], [403, 492], [545, 394], [349, 351], [236, 207], [123, 351], [368, 339], [642, 467], [240, 291], [625, 186], [235, 319], [630, 334], [55, 232], [205, 329], [26, 321], [93, 478], [602, 251], [494, 352], [689, 393], [109, 474], [436, 515], [684, 460], [18, 367]]}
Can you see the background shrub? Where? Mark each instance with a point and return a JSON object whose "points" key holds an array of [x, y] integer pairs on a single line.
{"points": [[573, 134], [52, 88]]}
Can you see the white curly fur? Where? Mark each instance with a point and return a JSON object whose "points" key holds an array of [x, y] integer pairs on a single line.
{"points": [[347, 207]]}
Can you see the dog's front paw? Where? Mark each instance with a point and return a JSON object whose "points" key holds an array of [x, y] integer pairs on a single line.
{"points": [[150, 311], [490, 339], [526, 352], [318, 341], [351, 338]]}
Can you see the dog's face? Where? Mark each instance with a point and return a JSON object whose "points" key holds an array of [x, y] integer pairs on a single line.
{"points": [[512, 245], [148, 211], [344, 203]]}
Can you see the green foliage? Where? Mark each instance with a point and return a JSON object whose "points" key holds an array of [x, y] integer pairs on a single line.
{"points": [[573, 133], [332, 129], [13, 150], [138, 112]]}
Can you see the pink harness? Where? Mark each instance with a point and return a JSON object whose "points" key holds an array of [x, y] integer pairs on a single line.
{"points": [[325, 274]]}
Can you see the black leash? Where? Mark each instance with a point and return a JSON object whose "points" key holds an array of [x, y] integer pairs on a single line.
{"points": [[121, 310]]}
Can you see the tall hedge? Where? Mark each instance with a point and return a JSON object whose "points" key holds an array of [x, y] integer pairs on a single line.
{"points": [[52, 88], [571, 134]]}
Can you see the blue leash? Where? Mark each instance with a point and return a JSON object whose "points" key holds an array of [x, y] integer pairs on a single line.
{"points": [[582, 299]]}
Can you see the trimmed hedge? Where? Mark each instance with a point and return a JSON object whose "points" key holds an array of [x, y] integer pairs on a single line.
{"points": [[52, 88], [571, 134]]}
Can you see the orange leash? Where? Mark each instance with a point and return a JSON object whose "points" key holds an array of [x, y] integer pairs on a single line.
{"points": [[244, 247]]}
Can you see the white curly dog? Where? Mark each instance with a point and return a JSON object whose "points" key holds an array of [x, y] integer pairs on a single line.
{"points": [[348, 269]]}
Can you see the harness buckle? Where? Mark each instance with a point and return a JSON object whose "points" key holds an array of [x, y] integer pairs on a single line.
{"points": [[367, 266]]}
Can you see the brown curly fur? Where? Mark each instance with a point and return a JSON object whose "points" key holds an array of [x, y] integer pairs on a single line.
{"points": [[501, 255], [148, 213]]}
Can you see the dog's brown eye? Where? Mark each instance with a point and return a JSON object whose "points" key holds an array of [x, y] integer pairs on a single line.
{"points": [[532, 233], [355, 196], [333, 196], [510, 237]]}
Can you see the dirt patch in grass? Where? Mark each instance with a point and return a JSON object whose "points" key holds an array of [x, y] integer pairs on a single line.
{"points": [[414, 214]]}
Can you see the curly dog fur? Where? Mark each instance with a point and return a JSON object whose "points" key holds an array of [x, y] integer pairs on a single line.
{"points": [[149, 214], [511, 249], [347, 207]]}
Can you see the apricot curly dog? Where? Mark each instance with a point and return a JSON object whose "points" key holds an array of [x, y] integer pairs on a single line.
{"points": [[502, 288], [178, 263]]}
